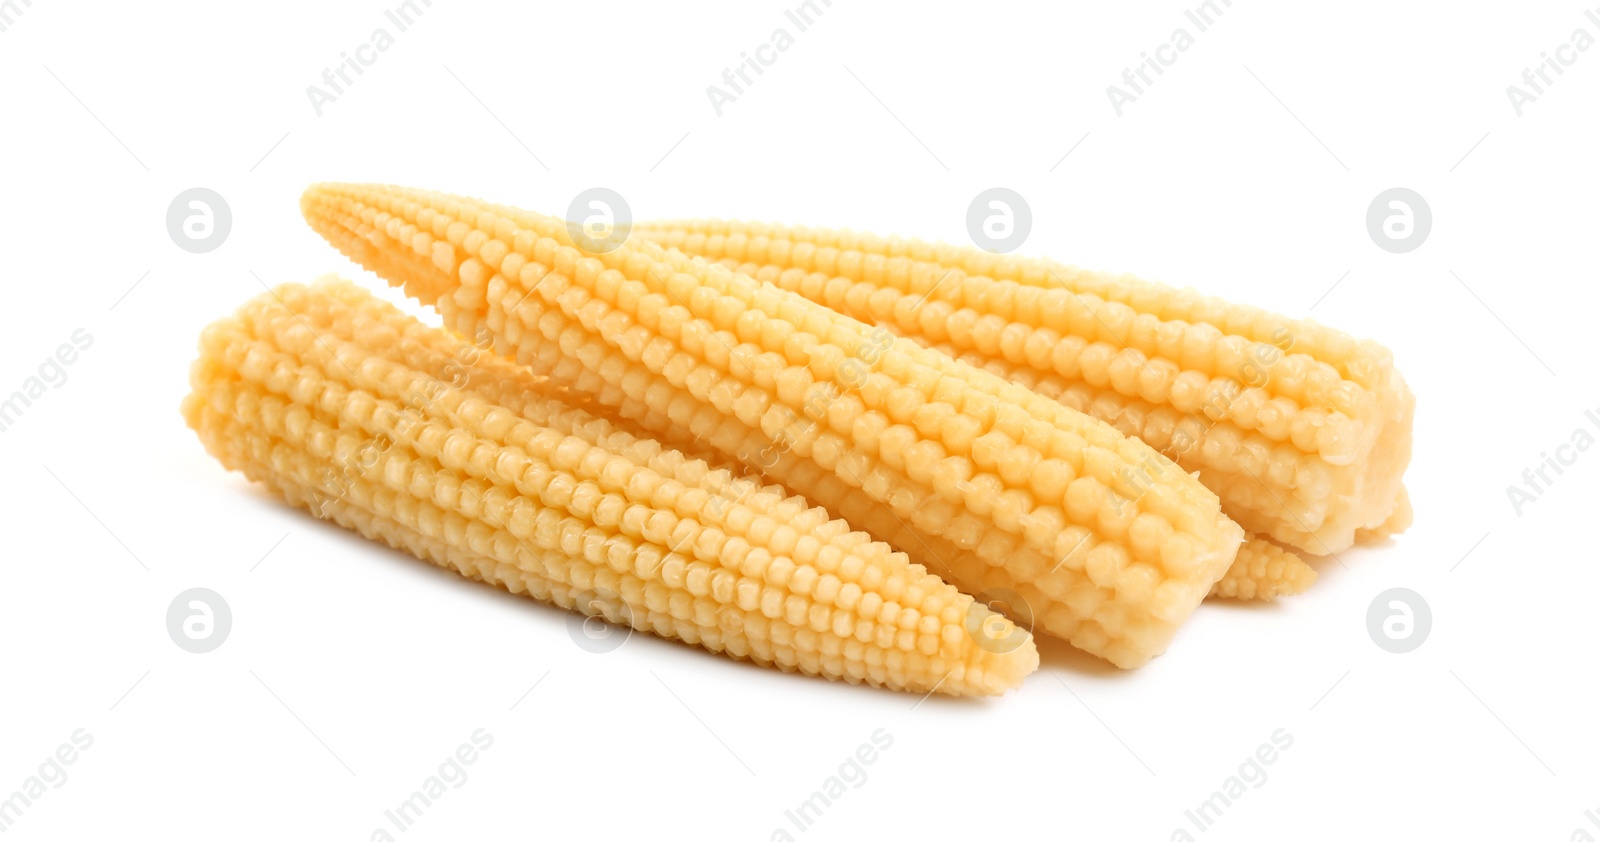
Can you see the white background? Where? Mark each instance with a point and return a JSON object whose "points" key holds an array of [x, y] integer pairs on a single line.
{"points": [[353, 671]]}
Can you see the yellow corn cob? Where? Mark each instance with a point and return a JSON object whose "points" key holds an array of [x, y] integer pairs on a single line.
{"points": [[1110, 544], [1303, 431], [1263, 570], [349, 408], [802, 476]]}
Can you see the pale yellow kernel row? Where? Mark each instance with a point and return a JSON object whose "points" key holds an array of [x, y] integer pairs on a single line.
{"points": [[1198, 442], [1363, 360]]}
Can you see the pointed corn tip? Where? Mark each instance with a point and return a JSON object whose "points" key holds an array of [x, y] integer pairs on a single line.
{"points": [[309, 197], [1002, 672], [1263, 570], [996, 656]]}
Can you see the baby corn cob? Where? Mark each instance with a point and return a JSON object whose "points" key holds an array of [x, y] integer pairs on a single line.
{"points": [[1115, 543], [349, 408], [1303, 431], [1263, 570]]}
